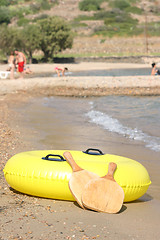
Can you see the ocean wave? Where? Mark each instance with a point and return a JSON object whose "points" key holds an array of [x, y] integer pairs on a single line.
{"points": [[114, 125]]}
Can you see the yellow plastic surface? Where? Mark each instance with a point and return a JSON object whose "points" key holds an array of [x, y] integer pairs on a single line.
{"points": [[28, 173]]}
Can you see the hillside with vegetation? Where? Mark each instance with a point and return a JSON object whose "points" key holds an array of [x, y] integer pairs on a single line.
{"points": [[83, 28]]}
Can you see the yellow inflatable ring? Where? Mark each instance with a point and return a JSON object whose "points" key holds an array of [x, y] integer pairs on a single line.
{"points": [[38, 173]]}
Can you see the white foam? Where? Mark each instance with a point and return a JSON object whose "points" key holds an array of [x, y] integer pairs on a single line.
{"points": [[114, 125]]}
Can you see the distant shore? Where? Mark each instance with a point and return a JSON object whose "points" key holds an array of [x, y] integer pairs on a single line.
{"points": [[83, 86]]}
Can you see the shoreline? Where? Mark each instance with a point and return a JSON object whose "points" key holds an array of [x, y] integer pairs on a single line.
{"points": [[29, 217], [83, 86]]}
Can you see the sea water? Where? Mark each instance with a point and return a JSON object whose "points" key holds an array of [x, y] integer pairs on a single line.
{"points": [[107, 72], [134, 120]]}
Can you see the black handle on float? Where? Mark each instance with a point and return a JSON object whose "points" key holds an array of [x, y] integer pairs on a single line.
{"points": [[54, 159], [93, 149]]}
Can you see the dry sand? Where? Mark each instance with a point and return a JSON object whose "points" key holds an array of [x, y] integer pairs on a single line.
{"points": [[26, 217]]}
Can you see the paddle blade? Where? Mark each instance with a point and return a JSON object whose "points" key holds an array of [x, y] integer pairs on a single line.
{"points": [[78, 179], [77, 183], [103, 195]]}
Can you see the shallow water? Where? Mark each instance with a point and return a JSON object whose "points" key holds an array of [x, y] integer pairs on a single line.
{"points": [[134, 119], [107, 72], [115, 72]]}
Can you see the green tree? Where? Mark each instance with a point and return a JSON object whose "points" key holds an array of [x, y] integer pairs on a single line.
{"points": [[24, 39], [55, 36], [30, 36], [5, 16], [4, 2], [10, 39]]}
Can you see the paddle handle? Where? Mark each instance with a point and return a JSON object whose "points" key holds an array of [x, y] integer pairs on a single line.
{"points": [[71, 162], [111, 169]]}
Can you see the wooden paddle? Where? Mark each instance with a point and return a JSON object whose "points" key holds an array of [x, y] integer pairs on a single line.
{"points": [[104, 194], [78, 179]]}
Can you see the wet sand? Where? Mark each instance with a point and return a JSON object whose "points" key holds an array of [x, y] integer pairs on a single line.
{"points": [[28, 217]]}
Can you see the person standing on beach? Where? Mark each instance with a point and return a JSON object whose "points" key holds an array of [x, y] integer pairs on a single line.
{"points": [[11, 62], [21, 61], [60, 70]]}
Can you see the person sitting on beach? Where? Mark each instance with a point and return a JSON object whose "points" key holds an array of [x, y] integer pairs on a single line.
{"points": [[27, 70], [155, 71], [11, 63], [60, 70], [21, 61]]}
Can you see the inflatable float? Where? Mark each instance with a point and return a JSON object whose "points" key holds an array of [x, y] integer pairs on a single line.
{"points": [[46, 173]]}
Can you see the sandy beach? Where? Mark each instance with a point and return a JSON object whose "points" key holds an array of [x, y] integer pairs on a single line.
{"points": [[28, 217], [83, 86]]}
